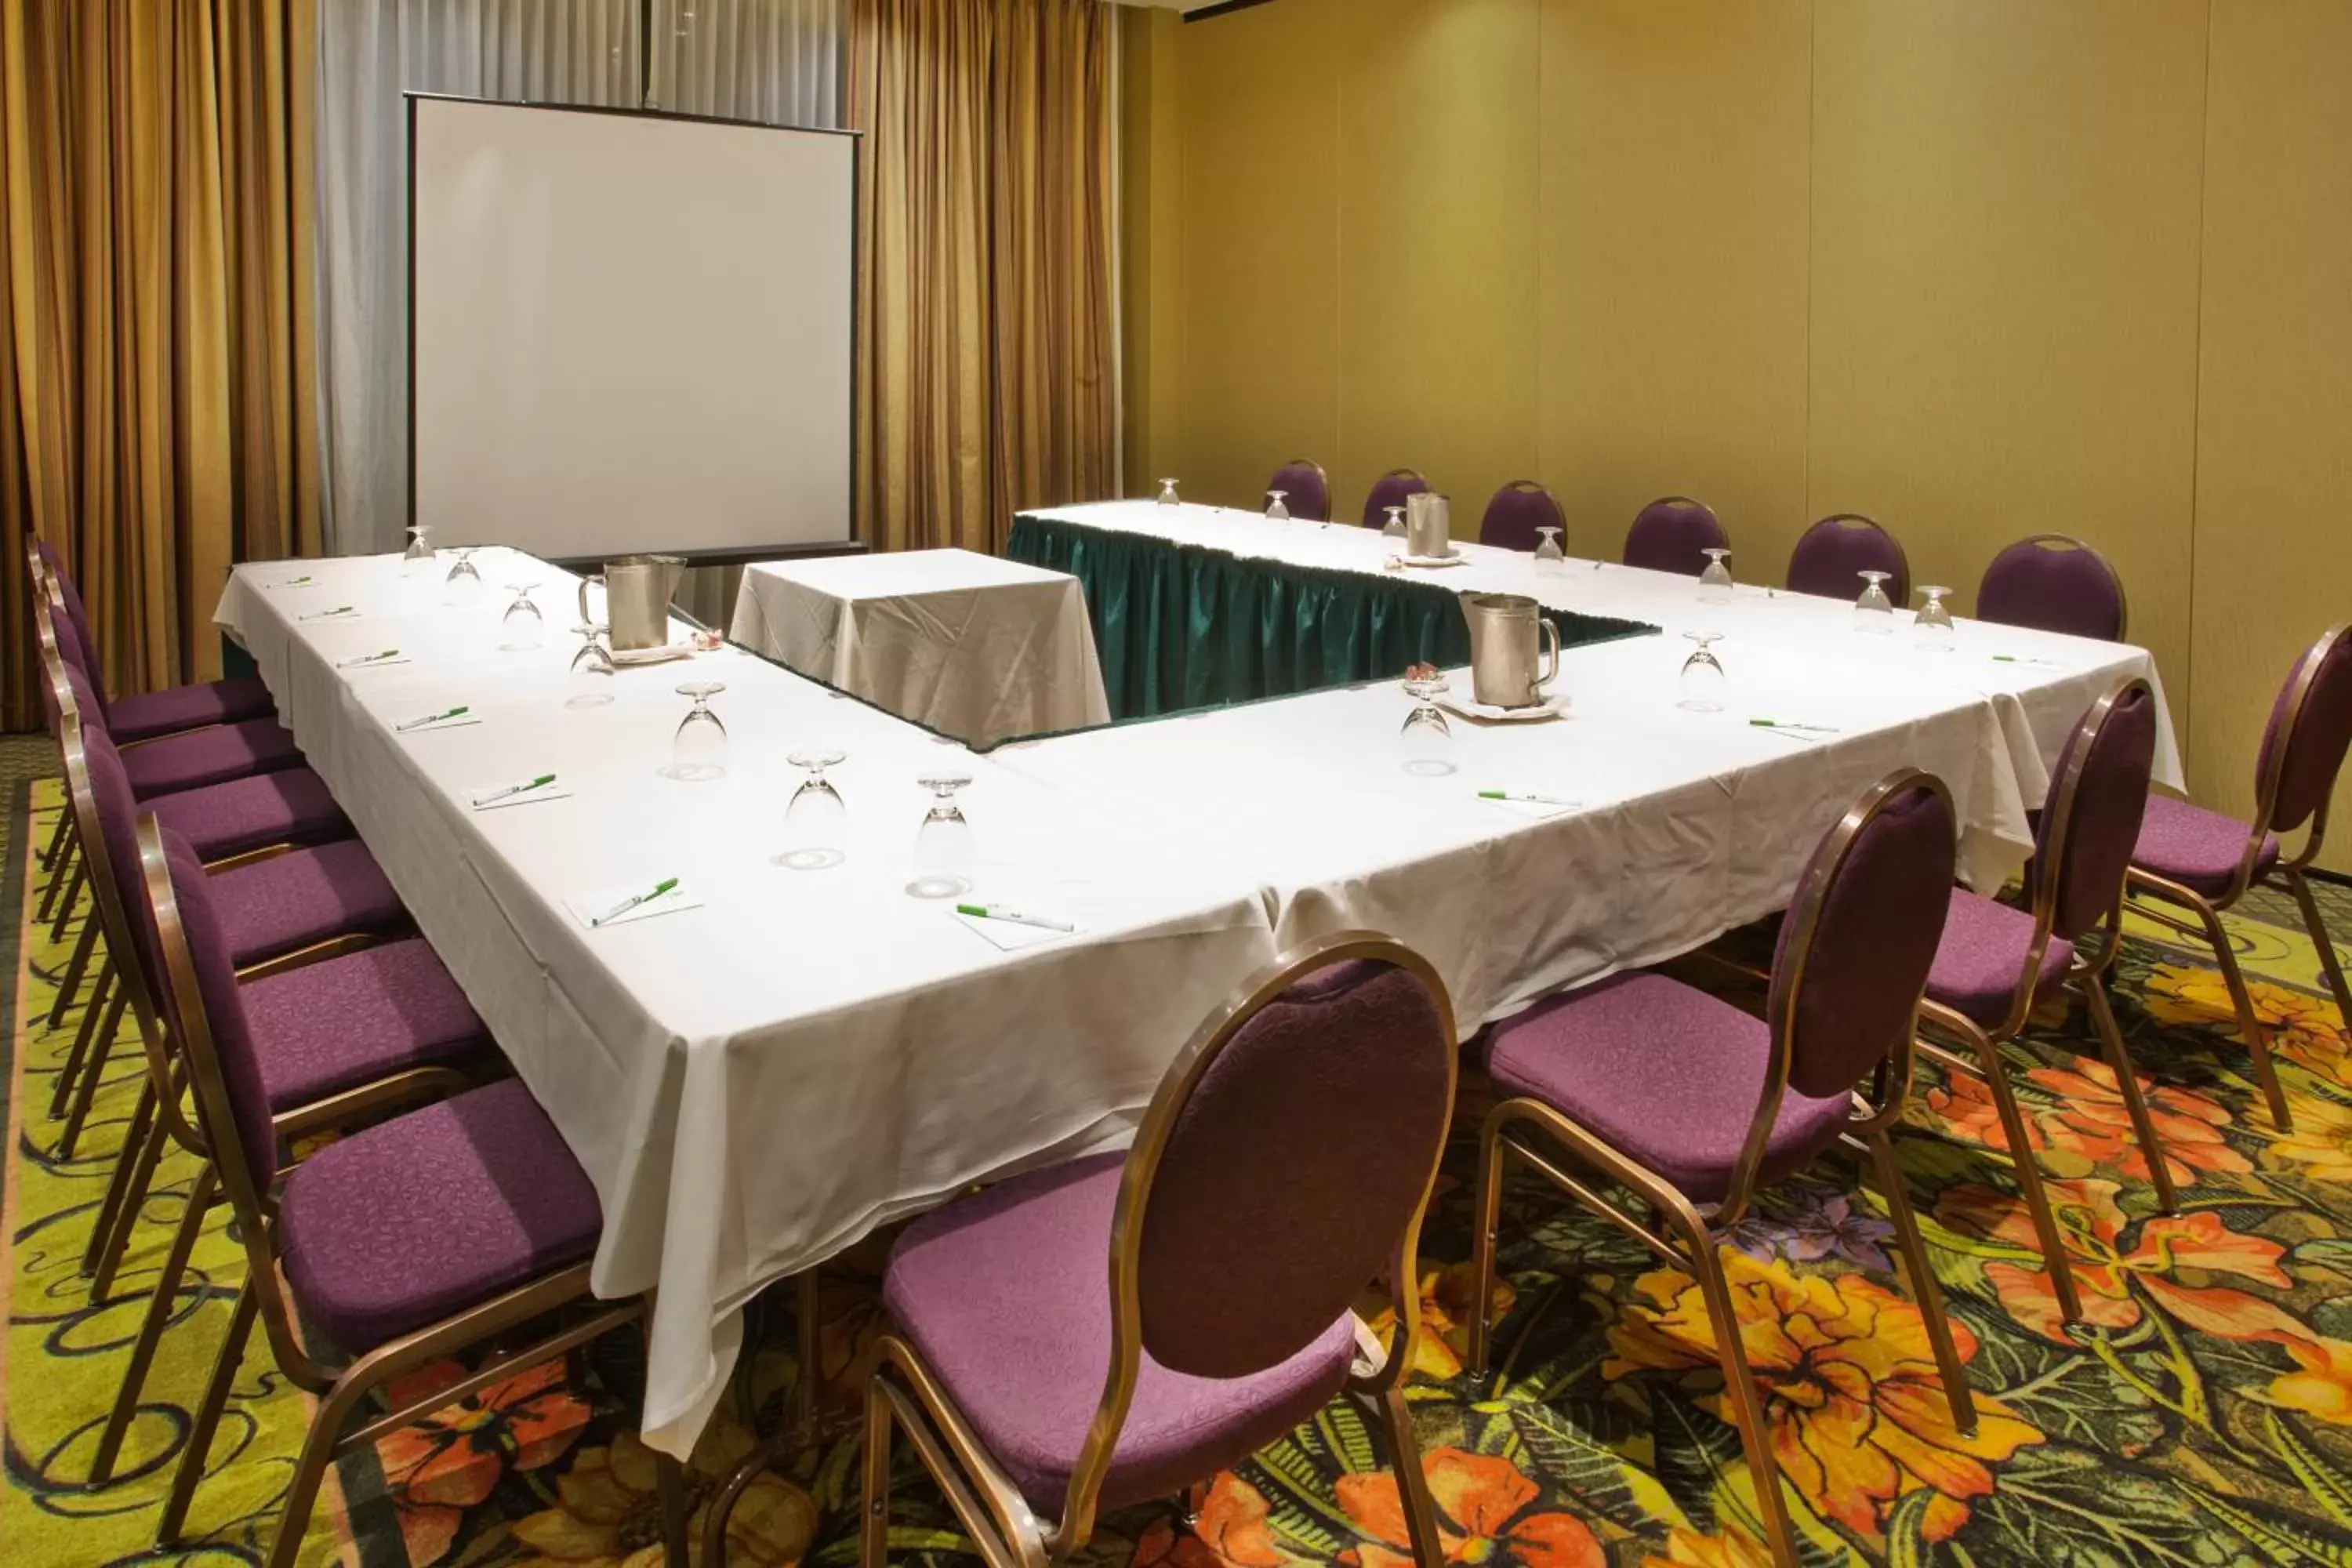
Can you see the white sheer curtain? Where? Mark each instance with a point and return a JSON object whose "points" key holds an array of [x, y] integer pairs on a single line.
{"points": [[781, 62]]}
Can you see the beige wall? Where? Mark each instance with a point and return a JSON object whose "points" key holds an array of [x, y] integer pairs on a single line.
{"points": [[1979, 268]]}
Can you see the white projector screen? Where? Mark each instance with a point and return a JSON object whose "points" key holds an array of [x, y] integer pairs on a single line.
{"points": [[628, 332]]}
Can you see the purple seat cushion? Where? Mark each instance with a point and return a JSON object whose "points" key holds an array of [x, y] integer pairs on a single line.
{"points": [[329, 1027], [291, 806], [1006, 1296], [431, 1213], [2196, 847], [218, 755], [1982, 958], [291, 901], [1663, 1074], [178, 707]]}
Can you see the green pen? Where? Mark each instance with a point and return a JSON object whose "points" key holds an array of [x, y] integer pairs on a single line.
{"points": [[329, 615], [998, 912], [1792, 724], [2021, 658], [666, 885], [290, 583], [367, 658], [431, 719], [542, 781], [1531, 799]]}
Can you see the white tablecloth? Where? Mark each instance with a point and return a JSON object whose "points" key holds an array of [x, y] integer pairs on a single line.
{"points": [[754, 1084], [967, 644]]}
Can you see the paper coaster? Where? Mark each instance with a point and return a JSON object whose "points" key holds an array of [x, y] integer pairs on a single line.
{"points": [[586, 907]]}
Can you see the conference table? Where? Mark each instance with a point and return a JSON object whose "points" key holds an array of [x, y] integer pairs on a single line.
{"points": [[760, 1077]]}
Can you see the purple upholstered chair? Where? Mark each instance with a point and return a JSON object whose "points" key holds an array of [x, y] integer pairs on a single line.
{"points": [[394, 1271], [1831, 556], [149, 714], [1517, 514], [2199, 860], [1391, 490], [1289, 1153], [2054, 582], [1674, 535], [1693, 1104], [170, 763], [1309, 491], [1996, 962]]}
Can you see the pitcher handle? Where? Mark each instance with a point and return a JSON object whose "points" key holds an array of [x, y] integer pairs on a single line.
{"points": [[1552, 635], [597, 578]]}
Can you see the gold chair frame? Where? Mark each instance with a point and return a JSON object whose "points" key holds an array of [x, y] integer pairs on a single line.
{"points": [[1862, 519], [1004, 1530], [60, 842], [342, 1388], [1322, 478], [1673, 501], [2072, 542], [1700, 1229], [2087, 976], [1531, 488], [2289, 871]]}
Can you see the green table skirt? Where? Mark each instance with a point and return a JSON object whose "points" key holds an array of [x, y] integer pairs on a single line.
{"points": [[1180, 627]]}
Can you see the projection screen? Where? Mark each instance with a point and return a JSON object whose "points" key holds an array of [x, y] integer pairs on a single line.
{"points": [[628, 332]]}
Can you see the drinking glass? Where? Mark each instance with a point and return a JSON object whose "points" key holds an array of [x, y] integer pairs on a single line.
{"points": [[1275, 510], [816, 820], [1873, 612], [522, 629], [1550, 560], [1714, 582], [465, 580], [1703, 675], [1934, 622], [1394, 527], [697, 753], [418, 550], [1168, 496], [1427, 739], [591, 669], [943, 853]]}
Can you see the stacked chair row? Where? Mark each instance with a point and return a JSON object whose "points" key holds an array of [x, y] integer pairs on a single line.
{"points": [[2051, 582]]}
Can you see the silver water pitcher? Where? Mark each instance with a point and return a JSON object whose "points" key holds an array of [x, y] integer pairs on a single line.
{"points": [[1428, 526], [637, 590], [1504, 632]]}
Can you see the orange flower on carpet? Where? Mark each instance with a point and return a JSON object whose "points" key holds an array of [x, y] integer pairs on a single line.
{"points": [[441, 1465], [1446, 1320], [608, 1508], [2322, 1384], [2322, 1140], [1857, 1413], [2304, 1029], [2089, 1128], [1484, 1515], [1229, 1531], [1734, 1548], [2112, 1278]]}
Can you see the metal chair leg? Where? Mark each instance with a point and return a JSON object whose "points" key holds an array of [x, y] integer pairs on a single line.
{"points": [[58, 831], [61, 1093], [2328, 962], [116, 1241], [334, 1412], [669, 1479], [874, 1504], [66, 875], [119, 1186], [93, 1071], [1412, 1480], [191, 1471], [2028, 1166], [75, 967], [2111, 1042], [1926, 1292], [1740, 1398], [2258, 1043], [1487, 1216], [64, 915], [160, 1309]]}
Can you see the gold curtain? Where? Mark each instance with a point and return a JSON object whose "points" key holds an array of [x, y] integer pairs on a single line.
{"points": [[985, 369], [158, 399]]}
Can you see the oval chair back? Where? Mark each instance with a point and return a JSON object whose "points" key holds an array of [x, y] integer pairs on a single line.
{"points": [[106, 814], [1291, 1148], [2054, 582], [2090, 819], [1674, 534], [1852, 957], [1308, 489], [1391, 488], [1519, 511], [2304, 740], [1830, 555]]}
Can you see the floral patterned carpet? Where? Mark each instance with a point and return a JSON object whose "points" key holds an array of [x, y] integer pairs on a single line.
{"points": [[2202, 1416]]}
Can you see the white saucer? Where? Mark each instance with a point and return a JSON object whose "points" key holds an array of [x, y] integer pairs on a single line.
{"points": [[1426, 561], [1552, 707], [661, 655]]}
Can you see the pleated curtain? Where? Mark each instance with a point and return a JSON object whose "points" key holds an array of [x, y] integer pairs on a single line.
{"points": [[986, 377], [156, 354]]}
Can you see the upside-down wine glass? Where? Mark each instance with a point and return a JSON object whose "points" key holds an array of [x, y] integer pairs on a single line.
{"points": [[697, 753], [1703, 678], [816, 818], [1550, 560], [1714, 582], [593, 669], [1873, 612], [1275, 510], [1394, 527], [943, 852], [418, 550], [465, 580], [523, 628], [1426, 740], [1168, 496], [1934, 621]]}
